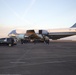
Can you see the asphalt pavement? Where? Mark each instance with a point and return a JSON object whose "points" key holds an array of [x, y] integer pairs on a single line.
{"points": [[57, 58]]}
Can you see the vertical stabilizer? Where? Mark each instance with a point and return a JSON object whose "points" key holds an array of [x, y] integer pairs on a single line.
{"points": [[12, 32], [74, 26]]}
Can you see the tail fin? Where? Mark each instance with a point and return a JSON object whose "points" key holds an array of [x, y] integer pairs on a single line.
{"points": [[12, 32], [74, 26]]}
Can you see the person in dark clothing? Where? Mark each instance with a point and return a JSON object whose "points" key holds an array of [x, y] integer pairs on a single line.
{"points": [[22, 41]]}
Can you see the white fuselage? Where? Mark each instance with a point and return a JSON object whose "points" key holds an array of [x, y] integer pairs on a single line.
{"points": [[63, 31]]}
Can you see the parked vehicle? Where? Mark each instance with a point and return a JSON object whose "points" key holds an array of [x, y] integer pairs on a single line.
{"points": [[8, 41]]}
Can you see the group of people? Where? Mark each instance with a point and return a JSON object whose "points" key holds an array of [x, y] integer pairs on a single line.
{"points": [[45, 39]]}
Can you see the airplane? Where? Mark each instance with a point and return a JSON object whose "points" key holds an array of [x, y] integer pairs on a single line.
{"points": [[53, 34]]}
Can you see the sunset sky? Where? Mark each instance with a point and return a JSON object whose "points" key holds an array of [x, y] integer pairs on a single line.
{"points": [[36, 14]]}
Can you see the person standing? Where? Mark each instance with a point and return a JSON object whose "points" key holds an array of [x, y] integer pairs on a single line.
{"points": [[46, 39]]}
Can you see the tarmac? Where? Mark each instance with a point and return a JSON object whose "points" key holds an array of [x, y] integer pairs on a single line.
{"points": [[57, 58]]}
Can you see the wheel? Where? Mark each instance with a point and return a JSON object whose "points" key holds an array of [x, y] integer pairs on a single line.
{"points": [[9, 44]]}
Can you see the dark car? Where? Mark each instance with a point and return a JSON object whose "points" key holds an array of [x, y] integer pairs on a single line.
{"points": [[8, 41]]}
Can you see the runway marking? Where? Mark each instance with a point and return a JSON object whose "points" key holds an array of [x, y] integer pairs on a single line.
{"points": [[47, 57], [38, 63], [32, 64], [17, 62], [44, 63], [41, 62]]}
